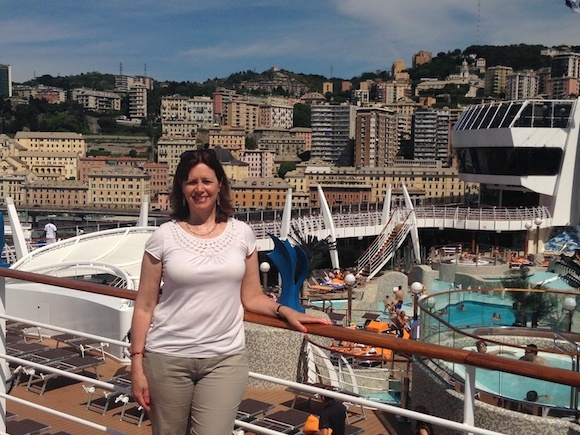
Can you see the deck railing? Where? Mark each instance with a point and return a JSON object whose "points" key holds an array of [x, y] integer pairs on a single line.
{"points": [[470, 359]]}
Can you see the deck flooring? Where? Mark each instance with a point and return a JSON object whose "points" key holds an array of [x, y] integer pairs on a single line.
{"points": [[68, 396]]}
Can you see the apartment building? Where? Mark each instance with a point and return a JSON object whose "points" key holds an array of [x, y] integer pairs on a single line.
{"points": [[565, 64], [97, 101], [521, 85], [159, 181], [432, 184], [327, 88], [305, 134], [51, 94], [255, 193], [52, 142], [241, 114], [220, 97], [563, 87], [234, 168], [57, 194], [138, 102], [332, 132], [421, 58], [228, 138], [260, 162], [5, 81], [276, 115], [282, 144], [398, 66], [432, 135], [393, 90], [183, 116], [376, 139], [169, 152], [52, 154], [117, 187], [89, 164], [124, 83], [495, 80]]}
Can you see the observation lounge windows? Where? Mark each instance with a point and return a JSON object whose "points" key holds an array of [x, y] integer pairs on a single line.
{"points": [[512, 112], [499, 116], [519, 162]]}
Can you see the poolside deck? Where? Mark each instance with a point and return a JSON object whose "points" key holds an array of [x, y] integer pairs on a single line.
{"points": [[68, 396]]}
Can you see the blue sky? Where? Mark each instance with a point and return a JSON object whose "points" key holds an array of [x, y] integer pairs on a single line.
{"points": [[193, 40]]}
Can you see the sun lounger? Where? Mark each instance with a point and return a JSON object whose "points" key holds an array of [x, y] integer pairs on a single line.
{"points": [[337, 318], [44, 357], [26, 427], [250, 409], [19, 349], [352, 430], [135, 414], [29, 333], [289, 421], [72, 365], [102, 404], [83, 344]]}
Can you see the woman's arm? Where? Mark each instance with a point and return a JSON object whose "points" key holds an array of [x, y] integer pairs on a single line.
{"points": [[145, 303], [255, 300]]}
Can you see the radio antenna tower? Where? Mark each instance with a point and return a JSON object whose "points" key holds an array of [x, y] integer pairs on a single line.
{"points": [[121, 68], [478, 19]]}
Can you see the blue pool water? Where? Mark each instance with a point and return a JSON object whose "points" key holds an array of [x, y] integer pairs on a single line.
{"points": [[548, 279], [478, 314], [515, 386]]}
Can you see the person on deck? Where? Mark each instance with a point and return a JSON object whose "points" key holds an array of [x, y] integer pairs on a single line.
{"points": [[188, 352]]}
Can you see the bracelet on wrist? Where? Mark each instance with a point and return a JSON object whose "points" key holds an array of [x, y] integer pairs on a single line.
{"points": [[139, 352], [278, 313]]}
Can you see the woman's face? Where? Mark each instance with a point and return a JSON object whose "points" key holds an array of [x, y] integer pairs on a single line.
{"points": [[201, 188]]}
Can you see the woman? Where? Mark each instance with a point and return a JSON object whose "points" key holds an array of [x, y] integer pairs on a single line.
{"points": [[189, 363]]}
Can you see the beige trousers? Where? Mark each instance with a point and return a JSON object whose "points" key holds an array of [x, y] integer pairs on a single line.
{"points": [[198, 396]]}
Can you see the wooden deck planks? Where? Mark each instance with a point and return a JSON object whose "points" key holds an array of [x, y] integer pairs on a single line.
{"points": [[69, 397]]}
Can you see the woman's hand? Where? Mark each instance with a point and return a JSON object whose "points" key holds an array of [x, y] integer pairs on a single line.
{"points": [[140, 390], [297, 319]]}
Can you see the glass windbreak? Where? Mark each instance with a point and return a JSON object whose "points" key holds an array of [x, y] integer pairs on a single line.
{"points": [[480, 319], [529, 113]]}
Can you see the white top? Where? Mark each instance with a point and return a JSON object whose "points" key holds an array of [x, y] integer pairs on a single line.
{"points": [[50, 230], [200, 311]]}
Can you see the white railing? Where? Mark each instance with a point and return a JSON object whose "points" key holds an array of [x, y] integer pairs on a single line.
{"points": [[290, 384]]}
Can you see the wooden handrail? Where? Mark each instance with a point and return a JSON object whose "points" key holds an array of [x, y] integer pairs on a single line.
{"points": [[387, 341]]}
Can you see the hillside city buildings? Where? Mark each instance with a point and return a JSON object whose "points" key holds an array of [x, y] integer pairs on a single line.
{"points": [[390, 133]]}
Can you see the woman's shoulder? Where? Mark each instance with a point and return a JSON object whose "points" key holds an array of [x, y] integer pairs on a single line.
{"points": [[239, 225]]}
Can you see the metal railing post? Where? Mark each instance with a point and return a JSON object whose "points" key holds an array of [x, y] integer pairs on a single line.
{"points": [[4, 369], [469, 397]]}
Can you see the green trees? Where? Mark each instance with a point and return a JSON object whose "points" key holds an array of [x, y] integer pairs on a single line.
{"points": [[302, 115], [528, 305]]}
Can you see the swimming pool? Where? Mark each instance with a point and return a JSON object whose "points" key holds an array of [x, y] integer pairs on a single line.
{"points": [[516, 387], [468, 314], [548, 279], [336, 304]]}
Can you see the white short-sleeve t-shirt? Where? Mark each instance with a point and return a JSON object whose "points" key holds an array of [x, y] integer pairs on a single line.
{"points": [[199, 313]]}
